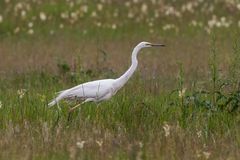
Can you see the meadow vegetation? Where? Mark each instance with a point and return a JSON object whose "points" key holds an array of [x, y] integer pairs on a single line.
{"points": [[182, 103]]}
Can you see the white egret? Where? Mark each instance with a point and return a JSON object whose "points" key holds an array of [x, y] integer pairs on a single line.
{"points": [[100, 90]]}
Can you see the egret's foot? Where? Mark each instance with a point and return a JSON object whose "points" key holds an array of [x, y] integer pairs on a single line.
{"points": [[71, 109]]}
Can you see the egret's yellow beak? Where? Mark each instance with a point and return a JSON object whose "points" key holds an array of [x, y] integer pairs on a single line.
{"points": [[157, 45]]}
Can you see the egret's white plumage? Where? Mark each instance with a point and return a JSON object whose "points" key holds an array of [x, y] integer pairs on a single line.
{"points": [[101, 90]]}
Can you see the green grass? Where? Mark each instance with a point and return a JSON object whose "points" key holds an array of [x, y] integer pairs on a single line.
{"points": [[134, 117]]}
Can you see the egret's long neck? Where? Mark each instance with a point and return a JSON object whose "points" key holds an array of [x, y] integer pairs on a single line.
{"points": [[124, 78]]}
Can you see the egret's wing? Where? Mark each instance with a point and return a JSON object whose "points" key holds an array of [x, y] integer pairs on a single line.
{"points": [[94, 89], [90, 89]]}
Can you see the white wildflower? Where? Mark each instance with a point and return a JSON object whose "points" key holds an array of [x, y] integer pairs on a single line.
{"points": [[99, 24], [94, 14], [100, 142], [135, 1], [213, 21], [172, 11], [42, 16], [30, 31], [84, 8], [168, 26], [30, 24], [208, 30], [74, 15], [64, 15], [150, 24], [223, 19], [189, 7], [71, 4], [166, 128], [61, 26], [169, 10], [21, 93], [80, 144], [194, 23], [114, 26], [218, 24], [226, 24], [144, 8], [52, 32], [18, 6], [154, 1], [0, 104], [156, 14], [23, 13], [130, 15], [206, 154], [127, 4], [182, 92], [199, 134], [198, 154], [99, 7], [238, 6], [16, 30]]}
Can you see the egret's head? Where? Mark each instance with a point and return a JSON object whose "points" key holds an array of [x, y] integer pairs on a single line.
{"points": [[147, 44]]}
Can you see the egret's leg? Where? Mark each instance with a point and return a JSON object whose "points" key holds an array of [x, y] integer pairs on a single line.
{"points": [[87, 100], [73, 108]]}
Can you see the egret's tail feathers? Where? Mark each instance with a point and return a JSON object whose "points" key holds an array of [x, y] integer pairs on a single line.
{"points": [[52, 103], [61, 95], [60, 92]]}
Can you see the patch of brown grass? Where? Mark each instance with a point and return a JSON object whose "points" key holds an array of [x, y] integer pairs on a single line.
{"points": [[45, 54]]}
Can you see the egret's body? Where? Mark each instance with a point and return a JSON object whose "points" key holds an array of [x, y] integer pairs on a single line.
{"points": [[101, 90]]}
